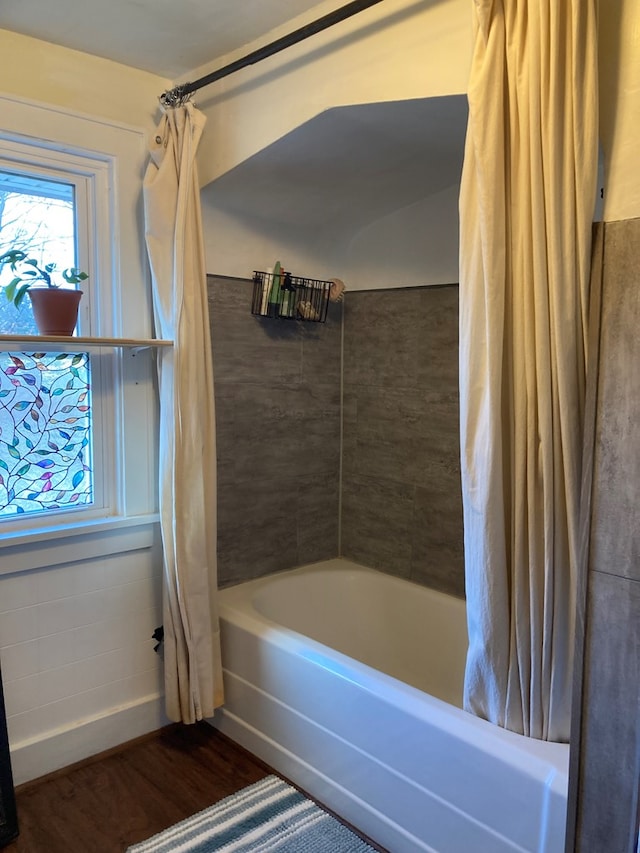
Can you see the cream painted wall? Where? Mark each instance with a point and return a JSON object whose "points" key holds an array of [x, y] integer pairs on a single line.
{"points": [[237, 245], [393, 51], [78, 81], [619, 65], [417, 245], [414, 246]]}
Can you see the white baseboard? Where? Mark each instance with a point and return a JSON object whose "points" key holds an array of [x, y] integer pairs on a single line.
{"points": [[36, 757]]}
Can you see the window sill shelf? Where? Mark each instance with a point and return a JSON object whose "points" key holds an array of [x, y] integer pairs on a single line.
{"points": [[9, 341]]}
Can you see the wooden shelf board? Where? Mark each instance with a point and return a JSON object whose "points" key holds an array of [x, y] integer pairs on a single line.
{"points": [[73, 342]]}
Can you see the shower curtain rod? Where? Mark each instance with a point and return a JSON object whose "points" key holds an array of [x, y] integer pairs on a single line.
{"points": [[177, 95]]}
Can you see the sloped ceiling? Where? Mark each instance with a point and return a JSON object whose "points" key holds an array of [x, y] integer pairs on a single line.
{"points": [[348, 167], [365, 192]]}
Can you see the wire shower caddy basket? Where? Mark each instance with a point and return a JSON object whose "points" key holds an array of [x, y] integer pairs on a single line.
{"points": [[284, 296]]}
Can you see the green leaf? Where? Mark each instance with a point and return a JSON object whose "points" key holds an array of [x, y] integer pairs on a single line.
{"points": [[13, 295], [12, 257], [74, 276], [17, 299], [10, 289]]}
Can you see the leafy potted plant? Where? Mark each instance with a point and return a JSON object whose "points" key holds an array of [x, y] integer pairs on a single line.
{"points": [[55, 309]]}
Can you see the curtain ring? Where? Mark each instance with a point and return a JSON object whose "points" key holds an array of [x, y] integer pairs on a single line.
{"points": [[175, 97]]}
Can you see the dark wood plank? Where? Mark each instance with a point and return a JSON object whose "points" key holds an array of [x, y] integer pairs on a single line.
{"points": [[125, 795]]}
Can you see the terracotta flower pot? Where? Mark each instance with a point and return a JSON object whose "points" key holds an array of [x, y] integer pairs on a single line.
{"points": [[55, 309]]}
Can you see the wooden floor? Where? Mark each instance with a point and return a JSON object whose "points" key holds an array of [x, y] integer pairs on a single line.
{"points": [[105, 804]]}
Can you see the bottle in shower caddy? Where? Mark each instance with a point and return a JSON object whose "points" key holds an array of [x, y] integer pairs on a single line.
{"points": [[265, 279], [275, 293], [288, 306]]}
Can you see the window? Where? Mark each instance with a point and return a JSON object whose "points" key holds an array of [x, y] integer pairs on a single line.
{"points": [[38, 217], [90, 168], [50, 463], [46, 417]]}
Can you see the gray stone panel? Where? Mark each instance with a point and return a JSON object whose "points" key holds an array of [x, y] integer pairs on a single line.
{"points": [[616, 545], [377, 518], [382, 333], [604, 804], [257, 529], [277, 389], [278, 414], [401, 444], [437, 543], [437, 354], [247, 348], [611, 717], [317, 506]]}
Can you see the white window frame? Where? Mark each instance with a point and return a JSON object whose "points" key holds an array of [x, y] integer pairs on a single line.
{"points": [[109, 158], [90, 188]]}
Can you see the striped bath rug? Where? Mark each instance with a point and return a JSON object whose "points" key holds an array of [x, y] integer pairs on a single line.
{"points": [[265, 817]]}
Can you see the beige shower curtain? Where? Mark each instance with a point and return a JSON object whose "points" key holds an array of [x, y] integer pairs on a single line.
{"points": [[526, 207], [192, 669]]}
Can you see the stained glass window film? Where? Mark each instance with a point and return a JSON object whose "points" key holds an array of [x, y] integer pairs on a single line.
{"points": [[45, 432]]}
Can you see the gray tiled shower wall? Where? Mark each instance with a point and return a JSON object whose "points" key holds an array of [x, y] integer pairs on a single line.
{"points": [[607, 781], [277, 396], [401, 500], [283, 391]]}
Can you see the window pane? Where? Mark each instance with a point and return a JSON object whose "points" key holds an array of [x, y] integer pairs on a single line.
{"points": [[37, 216], [45, 432]]}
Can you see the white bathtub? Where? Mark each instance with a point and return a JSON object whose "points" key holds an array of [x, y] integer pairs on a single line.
{"points": [[349, 681]]}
